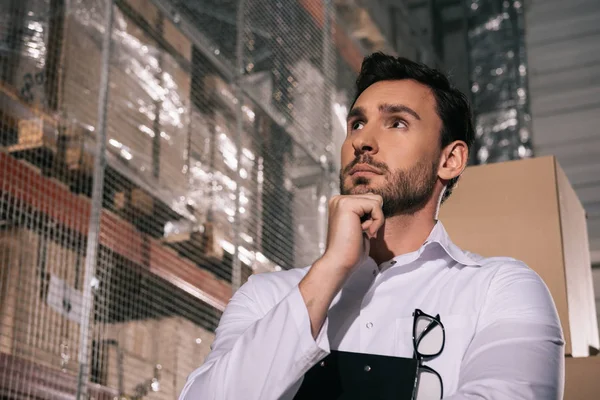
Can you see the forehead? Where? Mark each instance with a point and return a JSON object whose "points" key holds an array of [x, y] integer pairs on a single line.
{"points": [[406, 92]]}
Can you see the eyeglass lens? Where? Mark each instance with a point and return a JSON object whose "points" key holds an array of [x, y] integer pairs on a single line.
{"points": [[429, 336], [430, 386]]}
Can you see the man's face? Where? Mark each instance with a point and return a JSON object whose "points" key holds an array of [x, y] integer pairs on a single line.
{"points": [[392, 147]]}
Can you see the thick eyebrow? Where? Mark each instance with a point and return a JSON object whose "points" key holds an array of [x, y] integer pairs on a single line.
{"points": [[397, 108], [356, 112]]}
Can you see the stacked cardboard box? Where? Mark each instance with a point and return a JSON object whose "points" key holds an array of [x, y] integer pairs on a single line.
{"points": [[581, 378], [147, 117], [167, 348], [528, 210], [148, 109], [40, 299]]}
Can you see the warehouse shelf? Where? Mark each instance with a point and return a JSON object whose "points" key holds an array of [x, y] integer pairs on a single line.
{"points": [[27, 379], [46, 195]]}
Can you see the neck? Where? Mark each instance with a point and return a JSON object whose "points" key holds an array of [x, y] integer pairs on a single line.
{"points": [[402, 234]]}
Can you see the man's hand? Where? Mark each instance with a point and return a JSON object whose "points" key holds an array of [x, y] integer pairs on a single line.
{"points": [[349, 218], [352, 221]]}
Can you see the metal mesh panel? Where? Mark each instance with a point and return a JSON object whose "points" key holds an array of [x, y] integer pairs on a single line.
{"points": [[498, 75], [155, 155]]}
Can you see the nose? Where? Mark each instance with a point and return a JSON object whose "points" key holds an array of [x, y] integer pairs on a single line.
{"points": [[365, 142]]}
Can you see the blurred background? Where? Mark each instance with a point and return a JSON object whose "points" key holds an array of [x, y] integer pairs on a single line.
{"points": [[157, 153]]}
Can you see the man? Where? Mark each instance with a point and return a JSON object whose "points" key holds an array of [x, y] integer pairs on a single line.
{"points": [[408, 137]]}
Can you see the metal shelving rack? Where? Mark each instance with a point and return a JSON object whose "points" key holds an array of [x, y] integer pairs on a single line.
{"points": [[46, 198]]}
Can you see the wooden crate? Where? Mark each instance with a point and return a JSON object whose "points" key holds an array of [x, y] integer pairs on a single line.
{"points": [[38, 322]]}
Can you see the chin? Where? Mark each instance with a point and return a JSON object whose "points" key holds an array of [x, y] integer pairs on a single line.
{"points": [[360, 189], [359, 186]]}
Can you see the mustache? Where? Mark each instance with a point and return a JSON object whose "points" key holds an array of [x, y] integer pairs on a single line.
{"points": [[365, 159]]}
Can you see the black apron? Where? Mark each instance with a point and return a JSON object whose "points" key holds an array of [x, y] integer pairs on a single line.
{"points": [[348, 376]]}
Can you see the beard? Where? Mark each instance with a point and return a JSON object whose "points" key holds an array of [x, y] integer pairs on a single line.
{"points": [[404, 192]]}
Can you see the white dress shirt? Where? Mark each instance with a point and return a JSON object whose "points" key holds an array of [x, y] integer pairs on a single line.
{"points": [[503, 335]]}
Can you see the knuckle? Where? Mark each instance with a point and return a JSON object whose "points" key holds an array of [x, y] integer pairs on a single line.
{"points": [[343, 201]]}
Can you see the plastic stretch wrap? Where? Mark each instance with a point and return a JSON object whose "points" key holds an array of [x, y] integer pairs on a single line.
{"points": [[24, 35], [148, 114], [498, 70]]}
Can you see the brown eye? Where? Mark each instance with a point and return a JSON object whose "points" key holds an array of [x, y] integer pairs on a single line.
{"points": [[398, 124], [357, 125]]}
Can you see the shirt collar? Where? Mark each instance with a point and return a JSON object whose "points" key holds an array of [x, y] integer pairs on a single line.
{"points": [[440, 236]]}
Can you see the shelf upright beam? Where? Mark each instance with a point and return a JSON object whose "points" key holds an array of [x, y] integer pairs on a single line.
{"points": [[203, 44], [236, 275], [93, 238]]}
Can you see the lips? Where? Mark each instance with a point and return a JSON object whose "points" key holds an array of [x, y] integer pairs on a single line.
{"points": [[364, 169]]}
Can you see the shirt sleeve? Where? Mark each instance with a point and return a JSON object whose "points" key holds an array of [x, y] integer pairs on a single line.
{"points": [[517, 351], [258, 355]]}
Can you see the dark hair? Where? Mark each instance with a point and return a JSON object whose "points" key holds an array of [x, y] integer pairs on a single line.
{"points": [[452, 105]]}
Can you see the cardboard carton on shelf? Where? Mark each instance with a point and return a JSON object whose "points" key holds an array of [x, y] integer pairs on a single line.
{"points": [[175, 127], [177, 39], [138, 120], [142, 201], [133, 377], [146, 10], [79, 147], [40, 304], [31, 127], [528, 210], [176, 344], [159, 22], [35, 133]]}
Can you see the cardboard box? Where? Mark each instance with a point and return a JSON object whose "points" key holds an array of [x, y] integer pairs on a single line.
{"points": [[23, 126], [176, 344], [175, 128], [35, 133], [137, 378], [149, 98], [40, 304], [145, 9], [79, 148], [170, 32], [581, 378], [528, 210], [177, 40], [142, 201]]}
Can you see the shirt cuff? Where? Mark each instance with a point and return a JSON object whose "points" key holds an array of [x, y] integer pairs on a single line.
{"points": [[313, 349]]}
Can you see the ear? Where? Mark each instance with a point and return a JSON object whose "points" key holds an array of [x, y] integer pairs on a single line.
{"points": [[453, 160]]}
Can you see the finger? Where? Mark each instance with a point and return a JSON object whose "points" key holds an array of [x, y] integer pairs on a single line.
{"points": [[364, 208], [372, 208], [369, 196], [374, 196], [377, 219]]}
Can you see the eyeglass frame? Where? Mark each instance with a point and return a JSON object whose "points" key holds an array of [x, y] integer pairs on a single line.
{"points": [[418, 355]]}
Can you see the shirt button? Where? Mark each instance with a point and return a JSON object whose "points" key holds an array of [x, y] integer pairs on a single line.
{"points": [[374, 272], [322, 363], [367, 368], [392, 262], [369, 325]]}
